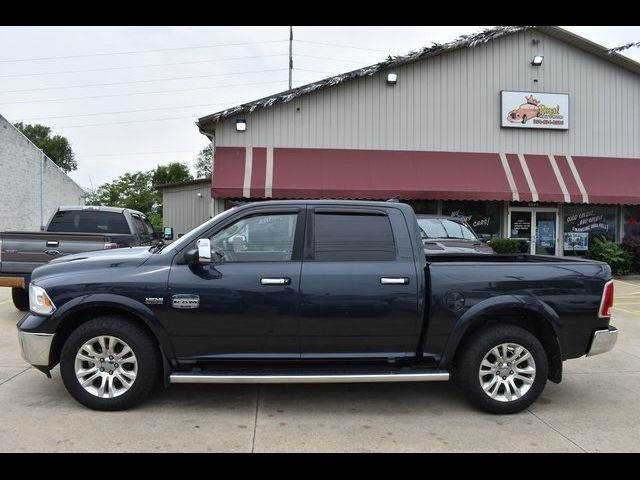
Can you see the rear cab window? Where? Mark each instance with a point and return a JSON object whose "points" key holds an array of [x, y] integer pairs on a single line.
{"points": [[89, 221]]}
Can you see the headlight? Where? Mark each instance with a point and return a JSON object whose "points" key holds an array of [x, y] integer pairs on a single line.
{"points": [[39, 301]]}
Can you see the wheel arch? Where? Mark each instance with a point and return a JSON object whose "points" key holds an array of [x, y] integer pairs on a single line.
{"points": [[82, 310], [529, 313]]}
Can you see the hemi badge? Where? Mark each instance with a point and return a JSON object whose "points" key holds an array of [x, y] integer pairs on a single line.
{"points": [[154, 301], [185, 301]]}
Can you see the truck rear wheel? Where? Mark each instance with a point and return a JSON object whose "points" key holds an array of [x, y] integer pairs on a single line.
{"points": [[20, 298], [502, 369], [109, 363]]}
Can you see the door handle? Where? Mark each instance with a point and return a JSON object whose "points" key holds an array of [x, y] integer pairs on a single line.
{"points": [[275, 281], [51, 243], [394, 280]]}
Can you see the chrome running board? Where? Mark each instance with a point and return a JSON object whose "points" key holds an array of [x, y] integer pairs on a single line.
{"points": [[431, 376]]}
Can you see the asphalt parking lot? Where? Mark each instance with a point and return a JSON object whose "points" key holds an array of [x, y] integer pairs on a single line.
{"points": [[595, 409]]}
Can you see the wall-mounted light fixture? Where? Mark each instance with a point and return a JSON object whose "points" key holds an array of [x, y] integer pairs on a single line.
{"points": [[537, 60], [241, 125], [392, 78]]}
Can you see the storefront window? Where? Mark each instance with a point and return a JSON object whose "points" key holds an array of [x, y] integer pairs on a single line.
{"points": [[632, 220], [583, 223], [483, 217], [424, 207]]}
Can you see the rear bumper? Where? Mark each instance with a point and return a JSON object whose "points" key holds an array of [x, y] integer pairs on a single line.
{"points": [[35, 347], [14, 282], [602, 341]]}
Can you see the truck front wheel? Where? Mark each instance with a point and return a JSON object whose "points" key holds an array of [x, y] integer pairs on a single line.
{"points": [[109, 363], [20, 298], [503, 369]]}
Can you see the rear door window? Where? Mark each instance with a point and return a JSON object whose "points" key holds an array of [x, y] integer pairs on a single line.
{"points": [[88, 221], [356, 237]]}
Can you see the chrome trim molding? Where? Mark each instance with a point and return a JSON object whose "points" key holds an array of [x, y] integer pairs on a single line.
{"points": [[436, 376], [35, 347], [603, 341]]}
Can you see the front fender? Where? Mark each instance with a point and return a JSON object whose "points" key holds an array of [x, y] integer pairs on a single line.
{"points": [[495, 304], [113, 302]]}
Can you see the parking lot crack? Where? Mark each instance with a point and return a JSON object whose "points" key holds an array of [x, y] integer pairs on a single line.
{"points": [[255, 421], [11, 378], [557, 431]]}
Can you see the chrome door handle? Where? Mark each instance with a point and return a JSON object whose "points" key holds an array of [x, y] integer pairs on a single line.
{"points": [[275, 281], [394, 280], [51, 243]]}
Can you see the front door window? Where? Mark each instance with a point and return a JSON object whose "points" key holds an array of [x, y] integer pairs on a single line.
{"points": [[521, 229], [545, 233]]}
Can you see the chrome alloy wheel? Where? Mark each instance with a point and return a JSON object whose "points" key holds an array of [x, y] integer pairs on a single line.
{"points": [[106, 366], [507, 372]]}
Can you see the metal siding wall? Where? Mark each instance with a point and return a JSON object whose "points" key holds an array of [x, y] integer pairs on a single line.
{"points": [[183, 209], [451, 102]]}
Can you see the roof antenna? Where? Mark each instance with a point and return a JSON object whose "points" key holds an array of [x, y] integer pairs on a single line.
{"points": [[290, 54]]}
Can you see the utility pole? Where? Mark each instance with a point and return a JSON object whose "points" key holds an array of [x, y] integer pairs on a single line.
{"points": [[290, 54]]}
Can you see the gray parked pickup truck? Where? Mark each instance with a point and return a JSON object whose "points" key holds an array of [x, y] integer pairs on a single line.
{"points": [[70, 230]]}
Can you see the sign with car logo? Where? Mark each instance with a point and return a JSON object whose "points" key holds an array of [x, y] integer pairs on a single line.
{"points": [[535, 110], [185, 301]]}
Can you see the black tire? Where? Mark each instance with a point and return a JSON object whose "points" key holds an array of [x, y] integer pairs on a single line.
{"points": [[20, 298], [468, 361], [144, 347]]}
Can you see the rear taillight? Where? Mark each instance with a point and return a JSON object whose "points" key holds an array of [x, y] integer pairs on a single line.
{"points": [[606, 304], [109, 245]]}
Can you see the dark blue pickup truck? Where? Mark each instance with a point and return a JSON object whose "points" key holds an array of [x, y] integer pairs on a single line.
{"points": [[313, 291]]}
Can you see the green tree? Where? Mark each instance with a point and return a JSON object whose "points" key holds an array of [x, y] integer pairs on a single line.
{"points": [[171, 173], [131, 190], [204, 162], [136, 190], [57, 148]]}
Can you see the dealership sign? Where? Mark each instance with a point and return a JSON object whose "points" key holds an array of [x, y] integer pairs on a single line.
{"points": [[535, 110]]}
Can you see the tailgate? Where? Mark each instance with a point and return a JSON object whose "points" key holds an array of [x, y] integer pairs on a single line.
{"points": [[21, 252]]}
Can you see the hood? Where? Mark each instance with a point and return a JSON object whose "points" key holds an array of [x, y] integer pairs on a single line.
{"points": [[456, 245], [100, 259]]}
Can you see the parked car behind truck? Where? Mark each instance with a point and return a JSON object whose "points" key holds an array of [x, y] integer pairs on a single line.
{"points": [[313, 291], [70, 230]]}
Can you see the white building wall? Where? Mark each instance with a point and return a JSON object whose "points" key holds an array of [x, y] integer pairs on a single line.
{"points": [[22, 166], [451, 102]]}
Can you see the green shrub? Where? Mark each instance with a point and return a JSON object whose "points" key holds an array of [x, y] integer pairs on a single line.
{"points": [[504, 245], [631, 243], [612, 253]]}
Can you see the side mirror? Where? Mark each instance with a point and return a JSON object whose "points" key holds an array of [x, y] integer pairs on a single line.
{"points": [[201, 255], [167, 233], [204, 251]]}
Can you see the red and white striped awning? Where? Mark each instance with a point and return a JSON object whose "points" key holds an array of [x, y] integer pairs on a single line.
{"points": [[259, 172]]}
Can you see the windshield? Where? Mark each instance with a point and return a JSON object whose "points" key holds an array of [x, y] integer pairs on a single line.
{"points": [[186, 238], [439, 228]]}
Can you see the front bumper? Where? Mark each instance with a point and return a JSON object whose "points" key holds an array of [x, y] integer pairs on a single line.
{"points": [[35, 347], [602, 341]]}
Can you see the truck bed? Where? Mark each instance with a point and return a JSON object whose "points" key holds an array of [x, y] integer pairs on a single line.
{"points": [[502, 258]]}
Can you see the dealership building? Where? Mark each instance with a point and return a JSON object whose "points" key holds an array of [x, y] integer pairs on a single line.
{"points": [[528, 132]]}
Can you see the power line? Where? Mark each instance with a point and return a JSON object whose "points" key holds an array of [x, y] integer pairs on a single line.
{"points": [[232, 102], [143, 81], [343, 46], [315, 71], [137, 153], [121, 123], [141, 51], [142, 93], [331, 58], [142, 66]]}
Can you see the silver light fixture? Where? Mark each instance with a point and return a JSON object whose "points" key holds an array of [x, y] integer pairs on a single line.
{"points": [[537, 60], [392, 78], [241, 125]]}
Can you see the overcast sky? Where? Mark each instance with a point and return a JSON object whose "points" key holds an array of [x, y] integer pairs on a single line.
{"points": [[110, 139]]}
